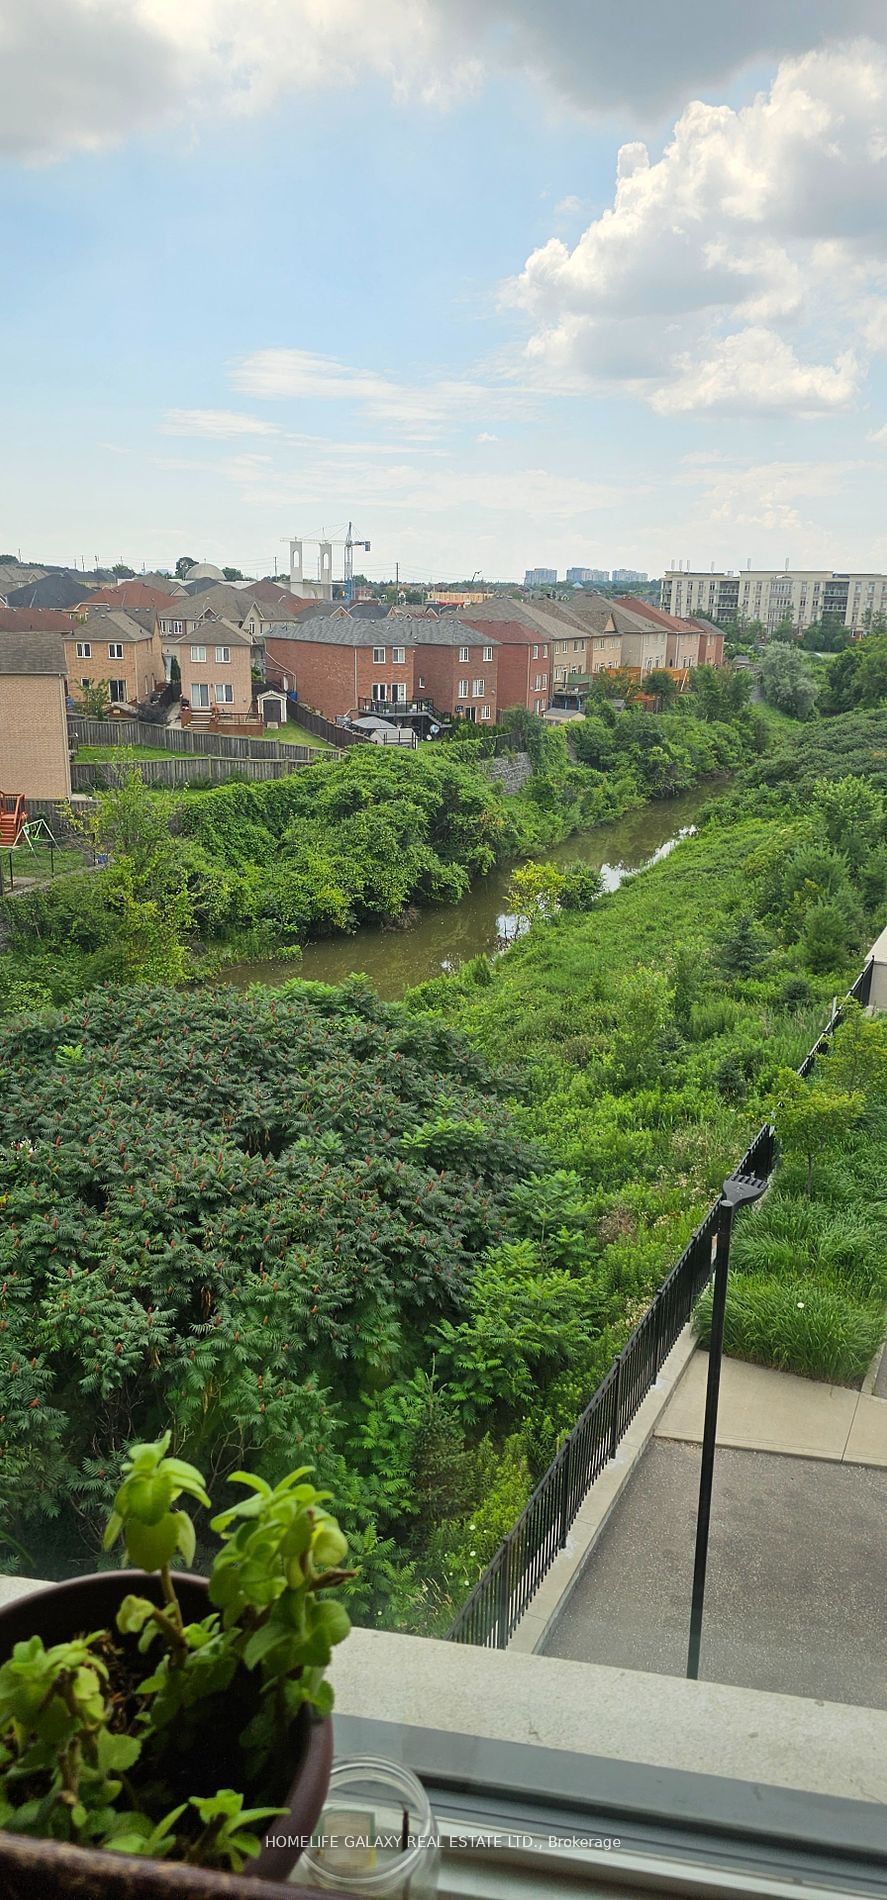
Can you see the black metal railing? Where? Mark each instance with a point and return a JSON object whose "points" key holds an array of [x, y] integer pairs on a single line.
{"points": [[496, 1604]]}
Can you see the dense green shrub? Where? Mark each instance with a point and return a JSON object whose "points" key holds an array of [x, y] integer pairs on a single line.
{"points": [[798, 1326]]}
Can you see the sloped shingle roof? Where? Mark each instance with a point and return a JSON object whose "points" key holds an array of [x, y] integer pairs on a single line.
{"points": [[55, 590], [31, 654]]}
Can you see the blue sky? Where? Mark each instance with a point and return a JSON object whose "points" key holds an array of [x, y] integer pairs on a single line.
{"points": [[257, 289]]}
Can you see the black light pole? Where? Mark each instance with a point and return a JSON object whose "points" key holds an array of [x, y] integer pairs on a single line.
{"points": [[739, 1190]]}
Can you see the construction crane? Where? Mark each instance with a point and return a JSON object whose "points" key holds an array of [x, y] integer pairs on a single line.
{"points": [[325, 547]]}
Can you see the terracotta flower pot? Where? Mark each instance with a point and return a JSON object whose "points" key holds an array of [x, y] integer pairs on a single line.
{"points": [[46, 1870]]}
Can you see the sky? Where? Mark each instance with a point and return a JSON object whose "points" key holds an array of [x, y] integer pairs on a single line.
{"points": [[600, 282]]}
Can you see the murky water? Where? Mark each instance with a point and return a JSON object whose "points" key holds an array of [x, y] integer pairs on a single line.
{"points": [[449, 934]]}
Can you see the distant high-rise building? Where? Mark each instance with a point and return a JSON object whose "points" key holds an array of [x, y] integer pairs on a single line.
{"points": [[582, 576], [540, 577], [627, 576], [777, 596]]}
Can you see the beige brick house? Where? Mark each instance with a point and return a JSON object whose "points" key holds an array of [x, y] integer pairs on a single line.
{"points": [[119, 646], [34, 755], [214, 665]]}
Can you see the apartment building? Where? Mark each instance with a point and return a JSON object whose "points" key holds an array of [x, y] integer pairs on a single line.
{"points": [[587, 576], [119, 648], [215, 666], [540, 577], [771, 596], [34, 757]]}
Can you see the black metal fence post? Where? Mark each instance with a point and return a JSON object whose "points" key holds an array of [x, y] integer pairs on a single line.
{"points": [[502, 1632], [617, 1399], [709, 1433], [566, 1473]]}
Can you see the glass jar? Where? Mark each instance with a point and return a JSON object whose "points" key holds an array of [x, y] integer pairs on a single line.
{"points": [[376, 1835]]}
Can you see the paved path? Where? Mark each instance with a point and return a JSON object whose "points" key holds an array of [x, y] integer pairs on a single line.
{"points": [[798, 1553], [763, 1410], [796, 1595]]}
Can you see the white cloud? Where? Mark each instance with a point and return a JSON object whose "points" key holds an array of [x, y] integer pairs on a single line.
{"points": [[766, 495], [568, 207], [215, 424], [757, 372], [486, 436], [419, 410], [81, 75], [770, 215]]}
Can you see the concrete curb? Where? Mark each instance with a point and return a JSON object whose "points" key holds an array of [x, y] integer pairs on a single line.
{"points": [[558, 1583]]}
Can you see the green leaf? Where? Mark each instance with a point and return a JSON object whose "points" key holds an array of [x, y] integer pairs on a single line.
{"points": [[187, 1537], [116, 1751], [133, 1614]]}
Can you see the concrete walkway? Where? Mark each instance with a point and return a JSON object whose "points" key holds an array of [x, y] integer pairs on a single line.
{"points": [[764, 1410], [798, 1554]]}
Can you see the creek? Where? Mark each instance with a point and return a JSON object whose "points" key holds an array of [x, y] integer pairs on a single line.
{"points": [[446, 935]]}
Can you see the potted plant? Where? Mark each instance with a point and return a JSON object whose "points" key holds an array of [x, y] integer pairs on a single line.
{"points": [[174, 1720]]}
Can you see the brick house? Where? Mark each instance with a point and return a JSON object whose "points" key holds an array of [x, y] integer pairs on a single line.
{"points": [[457, 668], [524, 652], [215, 665], [340, 665], [34, 757], [119, 647]]}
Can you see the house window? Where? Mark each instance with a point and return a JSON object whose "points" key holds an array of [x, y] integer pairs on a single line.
{"points": [[398, 693], [462, 689], [485, 712], [488, 653], [535, 653], [398, 656], [378, 656], [477, 689], [198, 653], [116, 691], [576, 645], [86, 682], [545, 653], [84, 650], [224, 694], [115, 650], [380, 691], [223, 655], [178, 626], [540, 705], [540, 681], [200, 694], [463, 653]]}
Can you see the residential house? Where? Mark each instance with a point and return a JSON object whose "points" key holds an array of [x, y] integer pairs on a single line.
{"points": [[342, 665], [118, 647], [134, 593], [584, 638], [34, 757], [524, 658], [456, 667], [59, 591], [682, 637], [215, 665], [36, 620], [711, 643], [644, 644]]}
